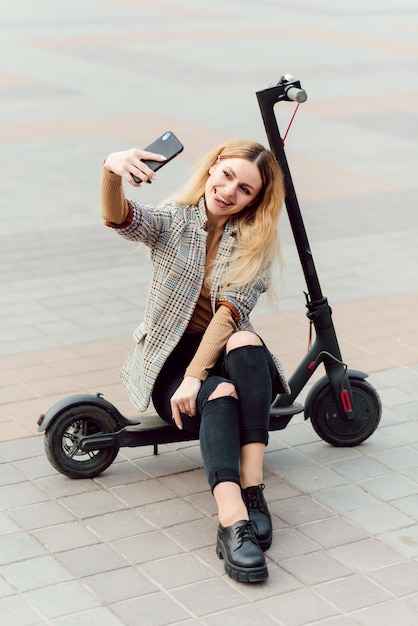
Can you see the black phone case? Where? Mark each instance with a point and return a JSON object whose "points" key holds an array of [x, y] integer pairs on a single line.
{"points": [[167, 145]]}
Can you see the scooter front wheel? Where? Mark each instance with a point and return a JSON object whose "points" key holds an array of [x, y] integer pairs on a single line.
{"points": [[62, 436], [333, 429]]}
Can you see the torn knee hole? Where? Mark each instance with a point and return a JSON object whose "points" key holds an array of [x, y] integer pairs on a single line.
{"points": [[224, 390], [241, 339]]}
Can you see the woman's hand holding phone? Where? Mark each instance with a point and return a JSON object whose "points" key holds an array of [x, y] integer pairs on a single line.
{"points": [[138, 166], [130, 163]]}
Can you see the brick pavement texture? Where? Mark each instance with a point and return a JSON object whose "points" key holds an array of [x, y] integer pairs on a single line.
{"points": [[135, 546]]}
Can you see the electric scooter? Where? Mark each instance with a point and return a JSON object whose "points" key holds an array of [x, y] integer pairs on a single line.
{"points": [[84, 432]]}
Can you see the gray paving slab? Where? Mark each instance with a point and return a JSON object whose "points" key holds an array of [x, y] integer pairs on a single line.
{"points": [[61, 84], [135, 546], [127, 550]]}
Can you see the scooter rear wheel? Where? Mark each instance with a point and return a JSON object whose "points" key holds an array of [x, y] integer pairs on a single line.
{"points": [[61, 438], [333, 429]]}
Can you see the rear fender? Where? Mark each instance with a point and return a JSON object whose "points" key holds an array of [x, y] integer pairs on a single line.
{"points": [[46, 419]]}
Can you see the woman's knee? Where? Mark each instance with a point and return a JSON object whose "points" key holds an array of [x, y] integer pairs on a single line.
{"points": [[243, 338], [224, 390]]}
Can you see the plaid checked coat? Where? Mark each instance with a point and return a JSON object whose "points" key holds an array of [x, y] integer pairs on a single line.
{"points": [[176, 236]]}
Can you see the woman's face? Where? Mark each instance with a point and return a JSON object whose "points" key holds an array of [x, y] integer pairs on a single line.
{"points": [[232, 185]]}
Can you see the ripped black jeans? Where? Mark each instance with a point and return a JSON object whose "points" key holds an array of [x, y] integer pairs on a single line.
{"points": [[223, 424]]}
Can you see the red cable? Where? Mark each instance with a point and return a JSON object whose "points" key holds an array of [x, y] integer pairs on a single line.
{"points": [[290, 123]]}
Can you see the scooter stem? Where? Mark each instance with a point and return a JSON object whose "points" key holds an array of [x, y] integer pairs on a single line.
{"points": [[267, 98], [326, 349]]}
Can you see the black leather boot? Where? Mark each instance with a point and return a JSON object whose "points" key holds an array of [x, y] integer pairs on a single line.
{"points": [[244, 559], [259, 514]]}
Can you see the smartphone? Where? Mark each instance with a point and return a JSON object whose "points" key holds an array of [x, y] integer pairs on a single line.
{"points": [[168, 145]]}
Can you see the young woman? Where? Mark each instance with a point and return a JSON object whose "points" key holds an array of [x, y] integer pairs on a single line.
{"points": [[196, 353]]}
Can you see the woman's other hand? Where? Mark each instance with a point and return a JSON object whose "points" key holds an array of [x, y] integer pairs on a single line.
{"points": [[184, 399], [128, 162]]}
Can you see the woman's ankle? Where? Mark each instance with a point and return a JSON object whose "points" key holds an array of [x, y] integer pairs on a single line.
{"points": [[231, 507], [230, 518]]}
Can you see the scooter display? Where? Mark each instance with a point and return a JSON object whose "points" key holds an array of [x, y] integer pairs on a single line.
{"points": [[84, 432]]}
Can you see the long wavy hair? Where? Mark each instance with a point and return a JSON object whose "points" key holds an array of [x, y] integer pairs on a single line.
{"points": [[258, 242]]}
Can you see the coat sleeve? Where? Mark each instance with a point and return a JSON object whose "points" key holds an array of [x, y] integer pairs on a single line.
{"points": [[244, 299], [146, 223]]}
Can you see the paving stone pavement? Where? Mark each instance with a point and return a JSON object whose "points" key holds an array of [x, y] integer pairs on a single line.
{"points": [[135, 545]]}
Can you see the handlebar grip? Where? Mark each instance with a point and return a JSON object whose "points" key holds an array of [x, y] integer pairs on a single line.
{"points": [[296, 94]]}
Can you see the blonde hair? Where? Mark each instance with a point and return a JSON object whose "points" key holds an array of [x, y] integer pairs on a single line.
{"points": [[258, 240]]}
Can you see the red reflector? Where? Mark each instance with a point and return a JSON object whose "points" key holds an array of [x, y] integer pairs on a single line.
{"points": [[345, 401], [311, 366], [40, 419]]}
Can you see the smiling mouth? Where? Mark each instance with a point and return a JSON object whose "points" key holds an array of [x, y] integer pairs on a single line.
{"points": [[221, 200]]}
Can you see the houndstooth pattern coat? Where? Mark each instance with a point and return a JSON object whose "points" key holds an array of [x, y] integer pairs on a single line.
{"points": [[176, 237]]}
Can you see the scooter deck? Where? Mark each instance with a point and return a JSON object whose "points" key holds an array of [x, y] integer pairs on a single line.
{"points": [[152, 430]]}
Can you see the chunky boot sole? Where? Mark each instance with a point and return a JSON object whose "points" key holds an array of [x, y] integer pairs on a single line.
{"points": [[266, 543], [241, 574]]}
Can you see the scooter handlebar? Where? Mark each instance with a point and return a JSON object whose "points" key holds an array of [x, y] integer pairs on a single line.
{"points": [[296, 94]]}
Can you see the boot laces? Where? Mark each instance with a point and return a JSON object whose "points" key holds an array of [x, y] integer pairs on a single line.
{"points": [[246, 532], [254, 498]]}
